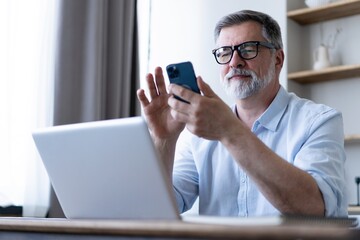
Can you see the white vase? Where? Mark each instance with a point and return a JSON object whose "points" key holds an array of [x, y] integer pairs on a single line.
{"points": [[321, 58], [317, 3]]}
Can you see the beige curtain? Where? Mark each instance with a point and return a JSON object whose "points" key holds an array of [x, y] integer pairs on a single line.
{"points": [[96, 64]]}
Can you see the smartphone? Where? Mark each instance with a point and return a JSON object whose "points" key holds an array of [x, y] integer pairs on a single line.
{"points": [[183, 74]]}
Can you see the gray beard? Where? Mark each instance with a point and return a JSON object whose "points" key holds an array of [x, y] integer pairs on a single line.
{"points": [[244, 89]]}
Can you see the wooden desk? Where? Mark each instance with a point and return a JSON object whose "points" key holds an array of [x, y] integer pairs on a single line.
{"points": [[22, 228]]}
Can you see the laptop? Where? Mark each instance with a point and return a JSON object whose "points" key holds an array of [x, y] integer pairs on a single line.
{"points": [[106, 170], [110, 170]]}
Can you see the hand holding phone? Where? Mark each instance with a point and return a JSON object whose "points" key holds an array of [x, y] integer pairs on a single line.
{"points": [[183, 74]]}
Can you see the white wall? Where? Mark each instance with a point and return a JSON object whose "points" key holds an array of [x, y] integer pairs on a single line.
{"points": [[183, 30]]}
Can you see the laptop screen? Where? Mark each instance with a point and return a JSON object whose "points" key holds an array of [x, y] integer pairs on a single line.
{"points": [[106, 170]]}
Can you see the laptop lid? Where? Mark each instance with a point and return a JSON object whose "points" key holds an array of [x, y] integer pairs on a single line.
{"points": [[106, 170]]}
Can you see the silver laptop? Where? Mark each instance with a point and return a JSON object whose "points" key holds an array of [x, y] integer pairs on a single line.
{"points": [[106, 170], [110, 170]]}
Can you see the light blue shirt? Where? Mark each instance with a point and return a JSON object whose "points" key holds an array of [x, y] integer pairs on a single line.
{"points": [[310, 136]]}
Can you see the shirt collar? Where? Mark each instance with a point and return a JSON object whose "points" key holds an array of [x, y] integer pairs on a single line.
{"points": [[270, 119]]}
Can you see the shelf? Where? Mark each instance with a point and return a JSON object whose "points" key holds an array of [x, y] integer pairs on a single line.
{"points": [[329, 11], [354, 210], [352, 139], [327, 74]]}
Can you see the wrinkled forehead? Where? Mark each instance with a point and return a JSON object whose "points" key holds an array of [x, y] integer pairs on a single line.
{"points": [[239, 33]]}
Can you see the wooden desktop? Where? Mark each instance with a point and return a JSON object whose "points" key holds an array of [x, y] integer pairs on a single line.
{"points": [[27, 228]]}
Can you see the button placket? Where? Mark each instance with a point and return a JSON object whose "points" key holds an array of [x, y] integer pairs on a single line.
{"points": [[242, 198]]}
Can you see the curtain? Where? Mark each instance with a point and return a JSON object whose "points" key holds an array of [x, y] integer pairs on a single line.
{"points": [[96, 66]]}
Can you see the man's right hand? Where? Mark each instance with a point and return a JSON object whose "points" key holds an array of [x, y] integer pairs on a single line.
{"points": [[164, 129]]}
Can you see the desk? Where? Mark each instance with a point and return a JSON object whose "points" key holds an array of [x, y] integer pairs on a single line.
{"points": [[23, 228]]}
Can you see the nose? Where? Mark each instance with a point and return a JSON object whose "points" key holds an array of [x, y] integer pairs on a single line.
{"points": [[237, 61]]}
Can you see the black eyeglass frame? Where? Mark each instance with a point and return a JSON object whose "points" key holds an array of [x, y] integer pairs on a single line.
{"points": [[237, 48]]}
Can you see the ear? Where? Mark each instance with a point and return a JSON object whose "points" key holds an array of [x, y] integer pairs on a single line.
{"points": [[279, 59]]}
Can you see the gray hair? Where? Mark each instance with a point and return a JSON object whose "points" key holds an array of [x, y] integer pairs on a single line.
{"points": [[270, 28]]}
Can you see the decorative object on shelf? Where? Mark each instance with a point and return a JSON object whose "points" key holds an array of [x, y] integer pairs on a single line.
{"points": [[321, 58], [321, 54], [316, 3]]}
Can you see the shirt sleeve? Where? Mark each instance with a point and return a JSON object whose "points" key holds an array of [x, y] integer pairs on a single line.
{"points": [[323, 156], [185, 174]]}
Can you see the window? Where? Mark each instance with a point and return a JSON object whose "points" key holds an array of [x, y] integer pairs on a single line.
{"points": [[26, 68]]}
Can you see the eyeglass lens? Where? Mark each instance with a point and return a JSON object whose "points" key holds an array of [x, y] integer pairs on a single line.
{"points": [[246, 51]]}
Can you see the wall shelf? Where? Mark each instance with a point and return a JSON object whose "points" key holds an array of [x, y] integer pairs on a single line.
{"points": [[354, 210], [329, 11], [327, 74], [355, 138]]}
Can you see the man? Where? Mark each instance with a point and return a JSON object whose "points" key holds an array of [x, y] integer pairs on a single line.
{"points": [[272, 153]]}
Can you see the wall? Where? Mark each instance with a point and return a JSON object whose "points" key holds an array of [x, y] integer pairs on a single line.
{"points": [[342, 94]]}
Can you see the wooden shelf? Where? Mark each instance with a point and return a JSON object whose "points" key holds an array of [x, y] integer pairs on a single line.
{"points": [[354, 210], [355, 138], [327, 74], [329, 11]]}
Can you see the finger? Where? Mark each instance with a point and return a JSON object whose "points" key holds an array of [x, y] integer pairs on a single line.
{"points": [[151, 86], [160, 81], [205, 88], [180, 110], [178, 115], [180, 92], [142, 97], [175, 103]]}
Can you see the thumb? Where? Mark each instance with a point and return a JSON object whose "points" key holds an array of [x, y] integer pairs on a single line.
{"points": [[205, 88]]}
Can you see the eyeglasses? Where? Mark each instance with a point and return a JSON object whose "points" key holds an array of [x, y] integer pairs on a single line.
{"points": [[246, 50]]}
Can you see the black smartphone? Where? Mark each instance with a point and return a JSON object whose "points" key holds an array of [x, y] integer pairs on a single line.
{"points": [[183, 74]]}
